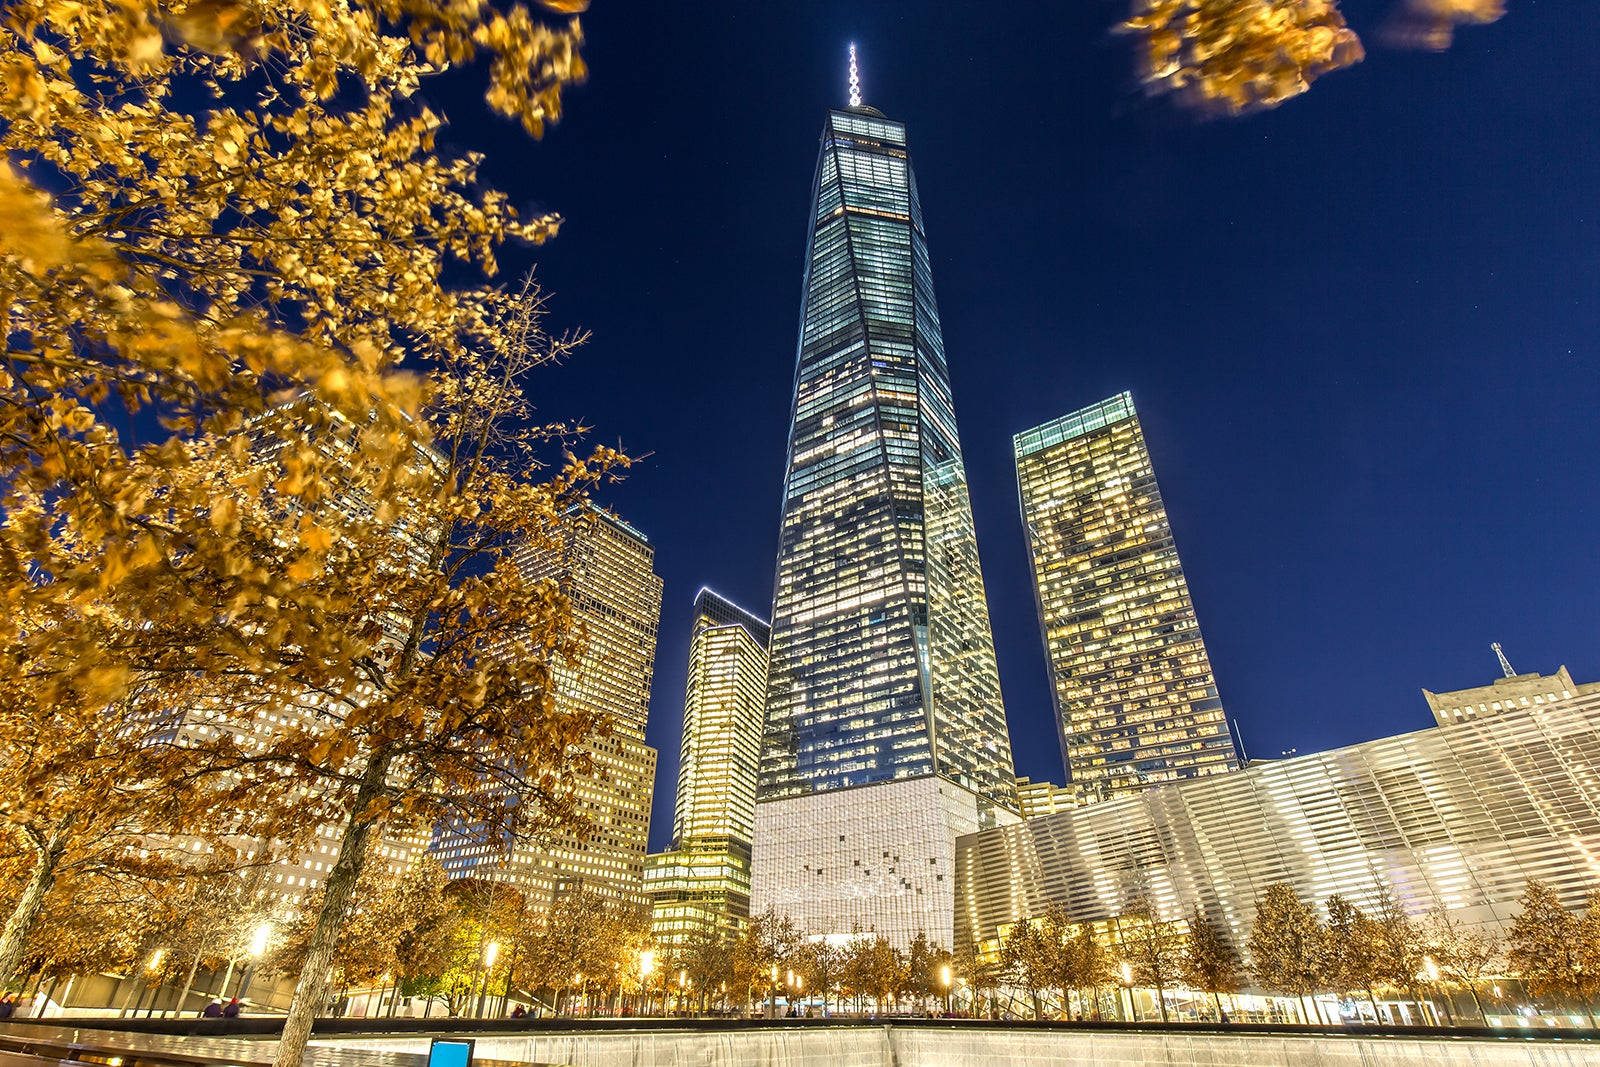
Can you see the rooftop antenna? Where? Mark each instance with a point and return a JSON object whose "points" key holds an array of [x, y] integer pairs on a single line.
{"points": [[855, 78], [1505, 664]]}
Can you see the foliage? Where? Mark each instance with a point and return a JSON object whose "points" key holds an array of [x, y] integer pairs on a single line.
{"points": [[1285, 942], [1544, 946], [1465, 955], [765, 949], [1397, 945], [821, 964], [1210, 964], [1346, 960], [1029, 958], [212, 207], [873, 968], [396, 924], [1235, 56], [1432, 24], [980, 973], [1154, 947]]}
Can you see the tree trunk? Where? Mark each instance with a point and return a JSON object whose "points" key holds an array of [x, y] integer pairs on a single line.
{"points": [[353, 848], [1217, 1000], [26, 911], [39, 1003], [188, 984], [1161, 998], [1373, 1000]]}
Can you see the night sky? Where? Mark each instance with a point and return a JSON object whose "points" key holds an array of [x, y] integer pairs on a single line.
{"points": [[1360, 329]]}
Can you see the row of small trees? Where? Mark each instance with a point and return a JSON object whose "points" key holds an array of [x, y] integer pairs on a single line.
{"points": [[414, 933], [1296, 952], [770, 959]]}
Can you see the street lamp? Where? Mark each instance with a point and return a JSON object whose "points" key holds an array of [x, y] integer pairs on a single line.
{"points": [[491, 952], [647, 964], [944, 980], [259, 940], [1127, 984]]}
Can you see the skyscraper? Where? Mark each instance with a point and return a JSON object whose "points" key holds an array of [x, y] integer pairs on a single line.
{"points": [[703, 881], [605, 567], [885, 732], [1136, 703]]}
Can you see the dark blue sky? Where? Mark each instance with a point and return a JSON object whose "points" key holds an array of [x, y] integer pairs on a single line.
{"points": [[1360, 328]]}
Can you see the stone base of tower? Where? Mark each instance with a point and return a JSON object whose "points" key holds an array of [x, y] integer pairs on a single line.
{"points": [[876, 858]]}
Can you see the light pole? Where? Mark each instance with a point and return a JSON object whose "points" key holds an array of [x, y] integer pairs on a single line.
{"points": [[152, 967], [944, 980], [258, 948], [1127, 984], [491, 952], [647, 963]]}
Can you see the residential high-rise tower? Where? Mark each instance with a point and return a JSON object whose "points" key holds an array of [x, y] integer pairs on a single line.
{"points": [[703, 881], [1136, 702], [885, 732]]}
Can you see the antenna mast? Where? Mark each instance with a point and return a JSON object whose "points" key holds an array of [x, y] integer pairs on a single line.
{"points": [[855, 79], [1505, 664]]}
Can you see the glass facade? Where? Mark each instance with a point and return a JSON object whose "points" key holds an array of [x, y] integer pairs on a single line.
{"points": [[703, 882], [882, 660], [1456, 817], [885, 733], [1136, 702], [605, 567]]}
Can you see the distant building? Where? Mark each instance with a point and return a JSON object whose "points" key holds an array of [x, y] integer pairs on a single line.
{"points": [[1136, 702], [703, 881], [885, 731], [605, 567], [1043, 798], [1505, 694], [1455, 817]]}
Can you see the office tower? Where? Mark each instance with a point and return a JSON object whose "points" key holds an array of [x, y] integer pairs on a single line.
{"points": [[1043, 798], [703, 881], [1456, 818], [1136, 703], [885, 732], [605, 567]]}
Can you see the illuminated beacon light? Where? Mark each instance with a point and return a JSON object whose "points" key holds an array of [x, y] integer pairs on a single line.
{"points": [[855, 80]]}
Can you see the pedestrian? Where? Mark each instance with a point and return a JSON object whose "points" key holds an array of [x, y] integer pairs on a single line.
{"points": [[232, 1010], [518, 1012], [212, 1010], [8, 1005]]}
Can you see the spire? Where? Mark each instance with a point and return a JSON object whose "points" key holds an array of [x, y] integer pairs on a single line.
{"points": [[1505, 664], [855, 79]]}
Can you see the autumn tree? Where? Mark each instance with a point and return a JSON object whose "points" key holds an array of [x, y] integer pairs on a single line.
{"points": [[705, 958], [184, 244], [923, 958], [766, 948], [980, 973], [1285, 943], [1089, 966], [1347, 959], [1545, 944], [1397, 946], [1153, 946], [1029, 959], [821, 963], [1467, 955], [1210, 963], [1237, 56], [576, 940]]}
